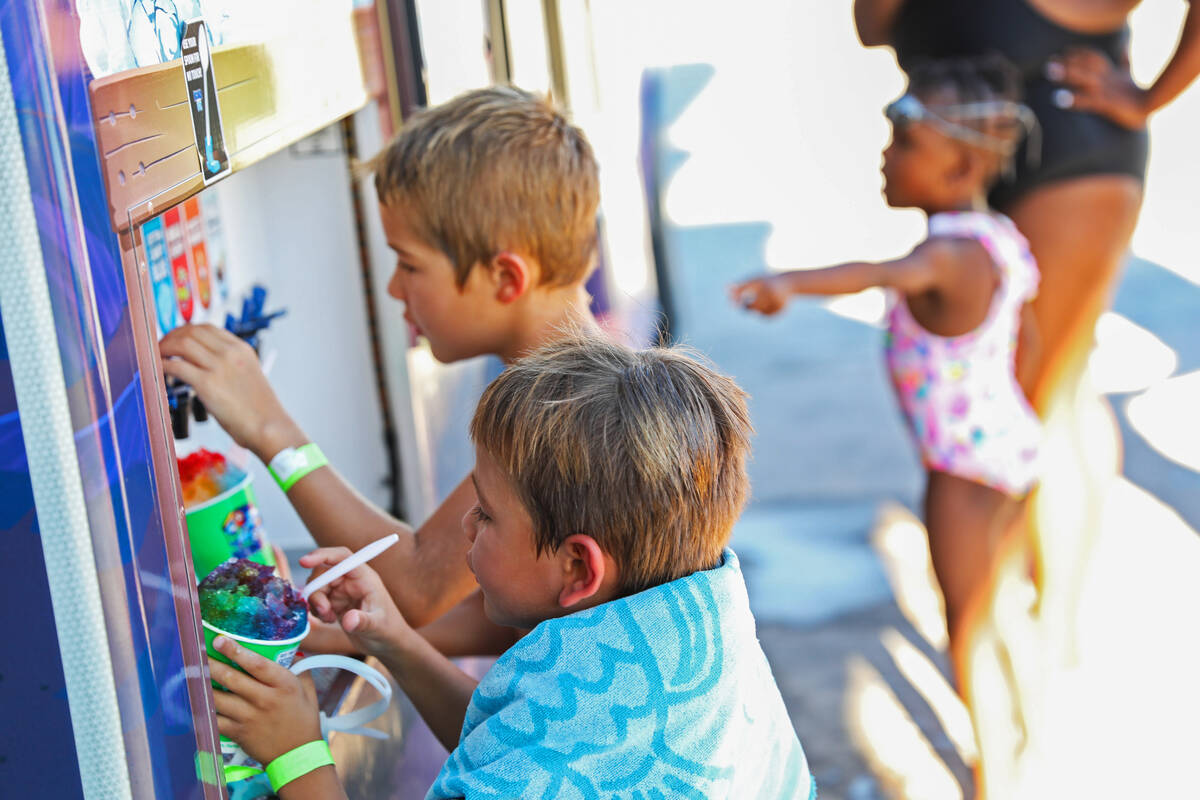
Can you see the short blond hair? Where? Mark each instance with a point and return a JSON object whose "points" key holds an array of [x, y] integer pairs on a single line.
{"points": [[492, 170], [643, 450]]}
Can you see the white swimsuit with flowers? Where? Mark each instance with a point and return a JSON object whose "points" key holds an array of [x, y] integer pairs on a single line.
{"points": [[960, 393]]}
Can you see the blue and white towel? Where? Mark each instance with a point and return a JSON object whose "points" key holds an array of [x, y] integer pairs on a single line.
{"points": [[663, 694]]}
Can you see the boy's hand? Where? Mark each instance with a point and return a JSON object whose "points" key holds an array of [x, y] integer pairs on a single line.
{"points": [[763, 295], [359, 601], [226, 375], [267, 710]]}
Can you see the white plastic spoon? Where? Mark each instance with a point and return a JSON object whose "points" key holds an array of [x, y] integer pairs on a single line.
{"points": [[338, 570]]}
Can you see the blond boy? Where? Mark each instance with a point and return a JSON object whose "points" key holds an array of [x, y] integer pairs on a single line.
{"points": [[489, 202], [608, 483]]}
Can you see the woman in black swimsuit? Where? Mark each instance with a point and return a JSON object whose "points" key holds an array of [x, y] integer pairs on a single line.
{"points": [[1079, 203]]}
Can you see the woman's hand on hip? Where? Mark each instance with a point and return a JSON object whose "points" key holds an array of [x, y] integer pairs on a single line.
{"points": [[1092, 82]]}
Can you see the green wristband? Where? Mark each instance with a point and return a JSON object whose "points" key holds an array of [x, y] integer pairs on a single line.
{"points": [[300, 761], [290, 465]]}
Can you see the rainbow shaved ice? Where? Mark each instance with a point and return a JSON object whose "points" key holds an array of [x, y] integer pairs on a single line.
{"points": [[248, 599], [204, 474]]}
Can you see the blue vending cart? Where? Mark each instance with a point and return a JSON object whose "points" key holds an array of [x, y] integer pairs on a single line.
{"points": [[103, 689]]}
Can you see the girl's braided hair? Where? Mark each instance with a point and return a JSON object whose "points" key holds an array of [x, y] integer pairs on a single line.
{"points": [[989, 82]]}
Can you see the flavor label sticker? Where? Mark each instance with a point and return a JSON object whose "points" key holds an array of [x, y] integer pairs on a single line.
{"points": [[177, 252], [194, 224], [214, 242], [154, 243], [202, 101]]}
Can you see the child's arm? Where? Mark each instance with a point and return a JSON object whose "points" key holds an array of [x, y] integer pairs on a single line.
{"points": [[927, 267], [269, 711], [439, 690], [426, 571], [465, 630], [320, 784]]}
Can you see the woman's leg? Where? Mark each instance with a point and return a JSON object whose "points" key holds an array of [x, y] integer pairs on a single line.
{"points": [[1079, 231]]}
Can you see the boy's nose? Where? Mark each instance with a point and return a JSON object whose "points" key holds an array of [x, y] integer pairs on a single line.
{"points": [[395, 286]]}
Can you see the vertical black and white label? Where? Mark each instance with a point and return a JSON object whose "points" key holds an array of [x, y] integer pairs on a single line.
{"points": [[202, 100]]}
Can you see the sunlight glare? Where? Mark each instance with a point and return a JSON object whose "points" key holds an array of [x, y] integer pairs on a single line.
{"points": [[1128, 358], [1166, 417], [927, 679], [899, 539], [868, 307], [893, 745]]}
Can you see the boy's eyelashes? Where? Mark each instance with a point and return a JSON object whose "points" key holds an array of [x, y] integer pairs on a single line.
{"points": [[478, 513]]}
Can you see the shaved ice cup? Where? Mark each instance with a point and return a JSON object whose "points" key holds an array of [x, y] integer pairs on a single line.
{"points": [[227, 526], [281, 651]]}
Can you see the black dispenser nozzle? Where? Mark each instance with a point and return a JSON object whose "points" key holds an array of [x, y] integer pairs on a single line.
{"points": [[182, 400]]}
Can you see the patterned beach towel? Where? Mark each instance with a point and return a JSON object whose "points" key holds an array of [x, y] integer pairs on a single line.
{"points": [[663, 694]]}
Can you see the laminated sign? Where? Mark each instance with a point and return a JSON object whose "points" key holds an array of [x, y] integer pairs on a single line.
{"points": [[159, 263], [202, 100], [194, 224], [180, 269]]}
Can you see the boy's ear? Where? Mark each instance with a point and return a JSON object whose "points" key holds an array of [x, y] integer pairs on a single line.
{"points": [[512, 275], [586, 569]]}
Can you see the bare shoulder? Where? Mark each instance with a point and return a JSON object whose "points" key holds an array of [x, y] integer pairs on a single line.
{"points": [[957, 258]]}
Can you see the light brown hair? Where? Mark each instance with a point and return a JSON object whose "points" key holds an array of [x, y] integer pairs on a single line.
{"points": [[492, 170], [643, 450]]}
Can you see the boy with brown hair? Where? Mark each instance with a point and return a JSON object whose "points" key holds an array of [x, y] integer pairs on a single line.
{"points": [[489, 202], [608, 483]]}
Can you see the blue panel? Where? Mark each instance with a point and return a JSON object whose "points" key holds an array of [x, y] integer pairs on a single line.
{"points": [[32, 686], [95, 339]]}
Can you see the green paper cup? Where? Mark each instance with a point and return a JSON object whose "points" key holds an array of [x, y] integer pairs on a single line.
{"points": [[227, 526], [282, 652]]}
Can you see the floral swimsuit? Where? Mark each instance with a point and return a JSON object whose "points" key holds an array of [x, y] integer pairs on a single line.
{"points": [[960, 394]]}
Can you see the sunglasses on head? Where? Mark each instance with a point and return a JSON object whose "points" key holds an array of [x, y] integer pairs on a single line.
{"points": [[908, 110]]}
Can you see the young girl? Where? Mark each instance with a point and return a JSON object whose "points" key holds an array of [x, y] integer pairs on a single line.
{"points": [[959, 302]]}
